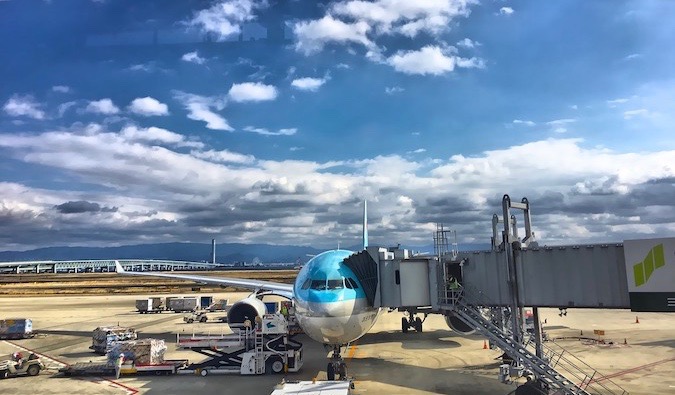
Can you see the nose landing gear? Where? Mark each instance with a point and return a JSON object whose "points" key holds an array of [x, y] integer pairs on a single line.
{"points": [[336, 365], [412, 323]]}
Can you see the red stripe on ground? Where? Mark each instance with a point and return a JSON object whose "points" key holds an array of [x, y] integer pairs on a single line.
{"points": [[632, 370]]}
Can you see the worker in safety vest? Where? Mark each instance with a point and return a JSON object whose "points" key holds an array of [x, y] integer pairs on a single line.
{"points": [[453, 283]]}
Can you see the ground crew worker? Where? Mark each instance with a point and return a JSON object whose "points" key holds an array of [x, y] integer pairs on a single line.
{"points": [[258, 323], [453, 283], [284, 310], [247, 324], [118, 365]]}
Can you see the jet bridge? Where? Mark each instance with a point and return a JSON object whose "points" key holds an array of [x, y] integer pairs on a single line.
{"points": [[635, 274]]}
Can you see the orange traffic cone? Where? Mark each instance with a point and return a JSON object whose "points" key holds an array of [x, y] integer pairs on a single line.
{"points": [[637, 321], [485, 346]]}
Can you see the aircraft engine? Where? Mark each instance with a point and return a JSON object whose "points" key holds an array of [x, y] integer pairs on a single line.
{"points": [[457, 325], [250, 307]]}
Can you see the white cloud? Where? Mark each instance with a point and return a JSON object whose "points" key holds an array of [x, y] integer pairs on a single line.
{"points": [[23, 106], [224, 18], [431, 60], [522, 122], [312, 36], [193, 57], [630, 114], [615, 102], [343, 66], [157, 135], [224, 156], [148, 106], [559, 122], [63, 107], [308, 83], [266, 132], [633, 56], [403, 17], [468, 43], [506, 11], [61, 88], [103, 106], [194, 194], [252, 91], [418, 151], [293, 149], [199, 109], [574, 107], [393, 89]]}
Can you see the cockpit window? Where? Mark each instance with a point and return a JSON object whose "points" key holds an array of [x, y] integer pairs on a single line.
{"points": [[306, 284], [335, 284], [319, 285]]}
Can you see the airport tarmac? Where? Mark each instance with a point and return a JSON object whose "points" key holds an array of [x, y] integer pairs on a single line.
{"points": [[384, 361]]}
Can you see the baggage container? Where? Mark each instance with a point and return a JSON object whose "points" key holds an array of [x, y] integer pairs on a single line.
{"points": [[16, 328], [104, 336], [149, 305], [183, 304]]}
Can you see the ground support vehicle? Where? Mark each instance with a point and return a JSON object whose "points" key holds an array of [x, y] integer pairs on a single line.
{"points": [[268, 349], [196, 317], [16, 328], [108, 369], [30, 367]]}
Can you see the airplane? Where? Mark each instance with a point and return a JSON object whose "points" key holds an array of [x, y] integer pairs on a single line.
{"points": [[329, 299]]}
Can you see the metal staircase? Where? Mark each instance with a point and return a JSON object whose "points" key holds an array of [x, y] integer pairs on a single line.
{"points": [[560, 370], [259, 356]]}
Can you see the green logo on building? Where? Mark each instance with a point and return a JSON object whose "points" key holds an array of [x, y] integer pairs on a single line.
{"points": [[643, 270]]}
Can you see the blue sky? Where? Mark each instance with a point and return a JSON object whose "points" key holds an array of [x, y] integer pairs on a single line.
{"points": [[250, 121]]}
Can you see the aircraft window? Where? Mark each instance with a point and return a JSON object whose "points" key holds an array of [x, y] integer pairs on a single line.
{"points": [[306, 284], [335, 284], [352, 282], [319, 284], [348, 283]]}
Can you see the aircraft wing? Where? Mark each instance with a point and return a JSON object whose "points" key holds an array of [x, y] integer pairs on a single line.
{"points": [[280, 288]]}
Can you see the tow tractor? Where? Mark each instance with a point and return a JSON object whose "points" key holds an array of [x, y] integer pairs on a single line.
{"points": [[267, 348], [197, 316], [19, 367]]}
